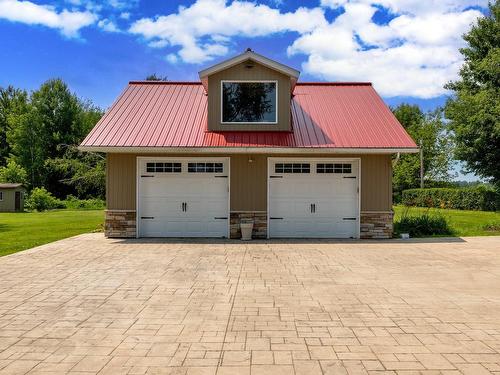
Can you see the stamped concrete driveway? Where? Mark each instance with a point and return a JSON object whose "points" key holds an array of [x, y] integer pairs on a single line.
{"points": [[91, 305]]}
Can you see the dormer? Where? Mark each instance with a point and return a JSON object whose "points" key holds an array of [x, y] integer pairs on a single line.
{"points": [[249, 92]]}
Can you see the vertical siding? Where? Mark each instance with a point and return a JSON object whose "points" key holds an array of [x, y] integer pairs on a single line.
{"points": [[7, 204], [120, 181], [240, 72], [376, 183], [249, 181]]}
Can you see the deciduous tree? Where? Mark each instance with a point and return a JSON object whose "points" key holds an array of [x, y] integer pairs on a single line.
{"points": [[474, 108]]}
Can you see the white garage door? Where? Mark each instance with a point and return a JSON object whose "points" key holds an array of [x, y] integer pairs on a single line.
{"points": [[183, 197], [314, 198]]}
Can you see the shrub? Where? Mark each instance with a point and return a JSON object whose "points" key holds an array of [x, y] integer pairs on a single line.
{"points": [[74, 203], [422, 225], [40, 199], [470, 198], [13, 172], [493, 227]]}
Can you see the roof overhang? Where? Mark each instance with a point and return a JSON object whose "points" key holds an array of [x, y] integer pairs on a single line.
{"points": [[248, 150], [249, 55]]}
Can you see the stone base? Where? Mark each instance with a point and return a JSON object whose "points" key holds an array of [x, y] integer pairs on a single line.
{"points": [[120, 224], [376, 224], [259, 224]]}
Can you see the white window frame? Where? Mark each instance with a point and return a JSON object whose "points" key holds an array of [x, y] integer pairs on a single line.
{"points": [[247, 81]]}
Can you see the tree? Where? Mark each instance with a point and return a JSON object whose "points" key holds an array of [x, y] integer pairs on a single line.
{"points": [[11, 101], [54, 119], [24, 139], [437, 144], [83, 173], [474, 109], [155, 77], [14, 173]]}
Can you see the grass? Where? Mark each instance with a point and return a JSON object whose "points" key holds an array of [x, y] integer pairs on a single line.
{"points": [[20, 231], [463, 223]]}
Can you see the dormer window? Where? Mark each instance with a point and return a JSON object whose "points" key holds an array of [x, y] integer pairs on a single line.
{"points": [[249, 102]]}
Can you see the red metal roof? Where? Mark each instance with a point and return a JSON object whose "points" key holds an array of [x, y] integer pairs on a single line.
{"points": [[174, 114]]}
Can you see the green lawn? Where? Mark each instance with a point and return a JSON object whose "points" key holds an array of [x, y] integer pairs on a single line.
{"points": [[20, 231], [463, 223]]}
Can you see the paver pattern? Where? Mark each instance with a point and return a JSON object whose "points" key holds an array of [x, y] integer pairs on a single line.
{"points": [[93, 305]]}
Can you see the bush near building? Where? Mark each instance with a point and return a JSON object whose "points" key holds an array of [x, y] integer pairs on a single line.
{"points": [[480, 197]]}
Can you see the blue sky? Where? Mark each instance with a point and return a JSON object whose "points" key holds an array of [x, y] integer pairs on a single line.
{"points": [[407, 48]]}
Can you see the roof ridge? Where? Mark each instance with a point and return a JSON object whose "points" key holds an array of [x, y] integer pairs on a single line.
{"points": [[164, 83], [298, 83], [334, 84]]}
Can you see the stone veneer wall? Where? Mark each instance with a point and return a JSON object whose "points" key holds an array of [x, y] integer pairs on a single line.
{"points": [[376, 224], [120, 223], [259, 224]]}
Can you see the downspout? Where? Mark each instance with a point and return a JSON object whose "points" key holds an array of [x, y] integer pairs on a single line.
{"points": [[395, 161]]}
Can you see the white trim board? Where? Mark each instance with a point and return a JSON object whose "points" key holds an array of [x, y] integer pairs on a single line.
{"points": [[249, 55], [276, 96], [248, 150]]}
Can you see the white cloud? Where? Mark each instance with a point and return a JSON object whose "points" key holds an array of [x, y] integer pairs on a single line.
{"points": [[172, 58], [414, 54], [122, 4], [68, 22], [202, 30], [414, 7], [108, 26]]}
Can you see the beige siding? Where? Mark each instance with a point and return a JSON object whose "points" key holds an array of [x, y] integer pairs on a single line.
{"points": [[240, 72], [7, 204], [249, 181], [376, 183], [120, 181]]}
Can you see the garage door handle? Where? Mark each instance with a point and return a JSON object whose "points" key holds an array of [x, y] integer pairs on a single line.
{"points": [[276, 218], [313, 207], [220, 218], [275, 176], [221, 176], [144, 175], [349, 218], [349, 176], [147, 217]]}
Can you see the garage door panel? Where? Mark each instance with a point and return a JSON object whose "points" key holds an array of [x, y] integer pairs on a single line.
{"points": [[333, 199], [157, 205], [291, 208], [184, 204]]}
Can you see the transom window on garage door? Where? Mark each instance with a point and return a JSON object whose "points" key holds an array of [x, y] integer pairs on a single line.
{"points": [[333, 168], [205, 167], [163, 167], [292, 168]]}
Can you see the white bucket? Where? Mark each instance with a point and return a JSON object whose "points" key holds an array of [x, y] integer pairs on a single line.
{"points": [[246, 231]]}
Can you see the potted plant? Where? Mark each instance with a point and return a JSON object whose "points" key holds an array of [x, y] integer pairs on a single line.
{"points": [[246, 226]]}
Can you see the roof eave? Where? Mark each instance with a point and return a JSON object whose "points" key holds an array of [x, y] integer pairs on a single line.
{"points": [[253, 150]]}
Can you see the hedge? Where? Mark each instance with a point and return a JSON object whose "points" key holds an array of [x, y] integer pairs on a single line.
{"points": [[470, 198]]}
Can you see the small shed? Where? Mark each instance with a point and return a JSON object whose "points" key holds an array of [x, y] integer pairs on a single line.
{"points": [[11, 197]]}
